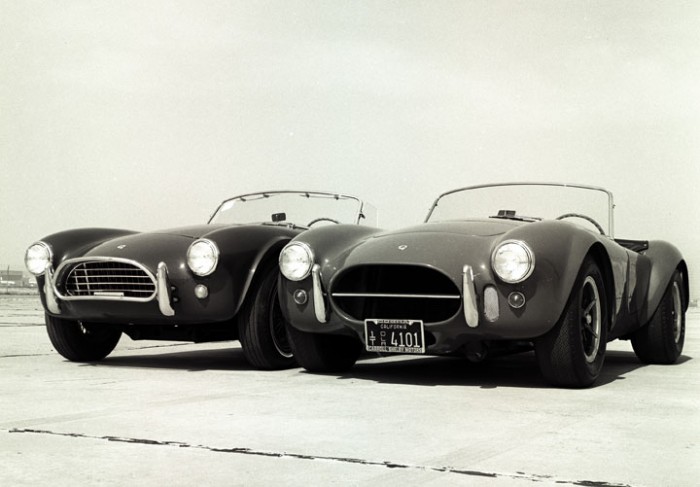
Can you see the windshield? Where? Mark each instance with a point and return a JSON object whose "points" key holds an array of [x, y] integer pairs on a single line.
{"points": [[527, 202], [300, 208]]}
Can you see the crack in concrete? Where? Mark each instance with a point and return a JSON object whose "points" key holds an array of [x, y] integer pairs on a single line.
{"points": [[299, 456]]}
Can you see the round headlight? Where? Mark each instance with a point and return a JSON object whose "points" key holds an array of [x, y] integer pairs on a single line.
{"points": [[513, 261], [202, 257], [38, 258], [296, 260]]}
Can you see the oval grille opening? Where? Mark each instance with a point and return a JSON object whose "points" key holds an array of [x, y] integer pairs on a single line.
{"points": [[396, 292], [109, 279]]}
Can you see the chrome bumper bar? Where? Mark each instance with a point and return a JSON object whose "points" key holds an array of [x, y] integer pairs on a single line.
{"points": [[471, 312], [319, 302]]}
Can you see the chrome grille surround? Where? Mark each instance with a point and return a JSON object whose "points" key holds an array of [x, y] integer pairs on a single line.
{"points": [[104, 278], [391, 291]]}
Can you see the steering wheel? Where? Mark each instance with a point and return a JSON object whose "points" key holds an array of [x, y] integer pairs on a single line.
{"points": [[587, 218], [322, 219]]}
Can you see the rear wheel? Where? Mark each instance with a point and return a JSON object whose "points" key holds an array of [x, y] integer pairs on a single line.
{"points": [[81, 343], [318, 352], [262, 329], [661, 340], [572, 353]]}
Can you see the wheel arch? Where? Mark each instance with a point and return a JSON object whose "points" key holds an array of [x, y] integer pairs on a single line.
{"points": [[267, 256], [665, 260], [602, 259]]}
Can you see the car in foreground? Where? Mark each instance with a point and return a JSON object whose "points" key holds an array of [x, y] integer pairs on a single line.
{"points": [[209, 282], [494, 269]]}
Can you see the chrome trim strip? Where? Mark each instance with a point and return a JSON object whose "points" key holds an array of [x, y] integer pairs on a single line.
{"points": [[471, 312], [319, 303], [410, 296], [69, 263], [163, 290], [51, 301]]}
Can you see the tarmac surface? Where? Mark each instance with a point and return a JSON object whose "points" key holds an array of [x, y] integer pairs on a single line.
{"points": [[165, 413]]}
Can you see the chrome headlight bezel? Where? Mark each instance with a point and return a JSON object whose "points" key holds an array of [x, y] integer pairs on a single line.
{"points": [[38, 257], [513, 261], [203, 257], [296, 261]]}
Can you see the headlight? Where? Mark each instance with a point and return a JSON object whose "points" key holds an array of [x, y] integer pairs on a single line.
{"points": [[296, 260], [38, 258], [513, 261], [202, 257]]}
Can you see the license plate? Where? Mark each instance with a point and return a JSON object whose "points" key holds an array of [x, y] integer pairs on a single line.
{"points": [[394, 336]]}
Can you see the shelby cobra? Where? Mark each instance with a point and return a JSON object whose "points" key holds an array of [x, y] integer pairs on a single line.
{"points": [[199, 283], [493, 269]]}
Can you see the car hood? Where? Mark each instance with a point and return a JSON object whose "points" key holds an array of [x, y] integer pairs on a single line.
{"points": [[444, 244]]}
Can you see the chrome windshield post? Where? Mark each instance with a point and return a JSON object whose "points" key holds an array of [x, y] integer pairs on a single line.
{"points": [[49, 293], [163, 290], [471, 312], [319, 303]]}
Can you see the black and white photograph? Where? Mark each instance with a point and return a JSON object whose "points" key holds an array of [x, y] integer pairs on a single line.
{"points": [[350, 242]]}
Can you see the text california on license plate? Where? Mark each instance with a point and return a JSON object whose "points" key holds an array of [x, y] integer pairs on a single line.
{"points": [[394, 336]]}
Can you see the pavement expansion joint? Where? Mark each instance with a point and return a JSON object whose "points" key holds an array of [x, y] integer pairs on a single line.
{"points": [[298, 456]]}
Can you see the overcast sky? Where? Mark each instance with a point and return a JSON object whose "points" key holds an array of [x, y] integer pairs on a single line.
{"points": [[145, 115]]}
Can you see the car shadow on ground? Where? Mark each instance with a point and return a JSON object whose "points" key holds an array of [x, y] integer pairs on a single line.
{"points": [[190, 360], [519, 370]]}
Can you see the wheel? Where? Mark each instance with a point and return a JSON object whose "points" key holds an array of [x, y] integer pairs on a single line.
{"points": [[572, 353], [262, 328], [661, 340], [318, 352], [81, 343]]}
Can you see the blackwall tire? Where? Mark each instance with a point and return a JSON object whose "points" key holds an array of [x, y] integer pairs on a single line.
{"points": [[572, 353], [323, 353], [262, 329], [81, 343], [661, 340]]}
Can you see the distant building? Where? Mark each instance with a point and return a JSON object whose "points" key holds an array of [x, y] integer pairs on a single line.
{"points": [[13, 278]]}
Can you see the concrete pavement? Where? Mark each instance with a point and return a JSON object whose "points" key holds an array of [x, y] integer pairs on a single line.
{"points": [[156, 413]]}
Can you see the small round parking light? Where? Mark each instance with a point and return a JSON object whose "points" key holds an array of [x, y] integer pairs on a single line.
{"points": [[516, 300], [300, 296], [201, 291]]}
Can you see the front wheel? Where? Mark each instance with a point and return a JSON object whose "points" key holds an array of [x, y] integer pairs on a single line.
{"points": [[572, 353], [81, 343], [262, 329], [661, 340], [318, 352]]}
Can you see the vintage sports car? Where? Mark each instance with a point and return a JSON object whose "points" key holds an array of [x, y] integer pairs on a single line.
{"points": [[199, 283], [493, 269]]}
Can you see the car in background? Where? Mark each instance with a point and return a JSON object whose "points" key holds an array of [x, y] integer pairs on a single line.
{"points": [[209, 282], [494, 269]]}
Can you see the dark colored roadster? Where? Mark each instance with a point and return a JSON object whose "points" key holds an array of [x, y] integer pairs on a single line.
{"points": [[200, 283], [494, 269]]}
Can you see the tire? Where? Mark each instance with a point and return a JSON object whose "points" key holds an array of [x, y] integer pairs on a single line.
{"points": [[572, 353], [323, 353], [262, 328], [661, 340], [81, 343]]}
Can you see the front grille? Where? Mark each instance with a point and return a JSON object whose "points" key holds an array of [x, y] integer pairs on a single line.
{"points": [[109, 279], [396, 292]]}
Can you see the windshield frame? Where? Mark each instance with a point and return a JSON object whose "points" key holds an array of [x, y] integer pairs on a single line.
{"points": [[360, 213], [611, 203]]}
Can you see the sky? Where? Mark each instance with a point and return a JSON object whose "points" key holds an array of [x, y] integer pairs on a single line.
{"points": [[146, 115]]}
